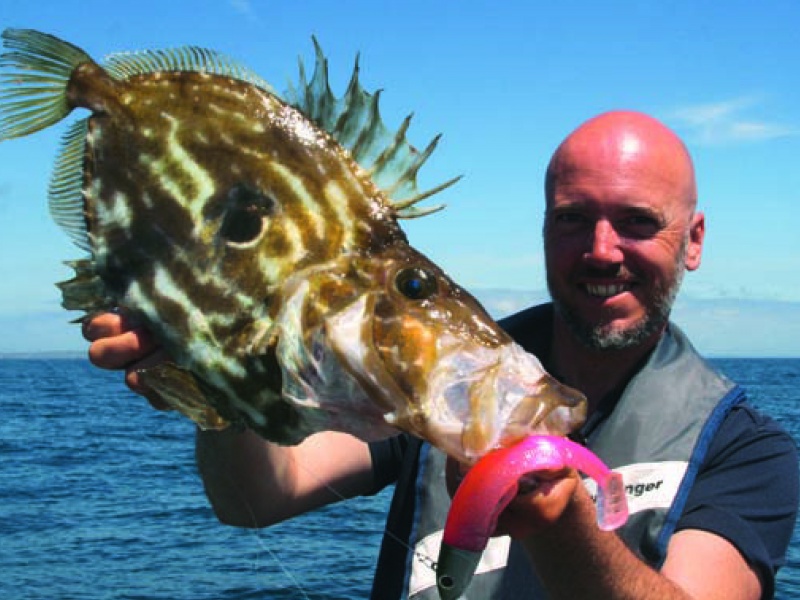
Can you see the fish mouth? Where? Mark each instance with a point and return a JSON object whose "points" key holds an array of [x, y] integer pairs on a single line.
{"points": [[470, 399], [372, 376]]}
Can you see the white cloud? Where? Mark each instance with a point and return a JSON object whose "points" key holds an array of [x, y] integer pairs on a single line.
{"points": [[729, 121], [739, 327], [244, 7]]}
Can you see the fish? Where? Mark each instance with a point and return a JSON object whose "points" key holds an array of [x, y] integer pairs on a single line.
{"points": [[257, 235]]}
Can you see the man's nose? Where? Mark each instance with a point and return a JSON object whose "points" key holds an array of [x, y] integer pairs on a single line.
{"points": [[604, 246]]}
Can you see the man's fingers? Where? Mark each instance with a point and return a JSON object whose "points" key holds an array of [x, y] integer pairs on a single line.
{"points": [[120, 350], [119, 343], [107, 324]]}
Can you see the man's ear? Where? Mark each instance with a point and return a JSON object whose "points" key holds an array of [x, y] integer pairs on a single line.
{"points": [[694, 248]]}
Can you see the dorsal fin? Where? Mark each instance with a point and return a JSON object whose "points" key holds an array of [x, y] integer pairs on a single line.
{"points": [[44, 64], [123, 65], [354, 121]]}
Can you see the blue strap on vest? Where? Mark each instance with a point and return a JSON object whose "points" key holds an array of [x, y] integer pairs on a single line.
{"points": [[735, 396]]}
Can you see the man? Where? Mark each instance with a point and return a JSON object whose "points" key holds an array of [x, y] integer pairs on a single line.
{"points": [[713, 485]]}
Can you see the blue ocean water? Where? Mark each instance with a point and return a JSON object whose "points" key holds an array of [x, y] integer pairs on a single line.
{"points": [[100, 499]]}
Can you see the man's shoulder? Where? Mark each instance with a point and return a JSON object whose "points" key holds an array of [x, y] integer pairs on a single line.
{"points": [[531, 327], [746, 428], [747, 489]]}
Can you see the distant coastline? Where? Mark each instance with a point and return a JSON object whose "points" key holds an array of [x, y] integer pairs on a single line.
{"points": [[44, 355]]}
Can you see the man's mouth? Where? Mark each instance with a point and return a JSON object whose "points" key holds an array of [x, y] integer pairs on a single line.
{"points": [[608, 290]]}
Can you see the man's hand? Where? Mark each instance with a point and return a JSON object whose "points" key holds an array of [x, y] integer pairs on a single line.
{"points": [[540, 503], [119, 343]]}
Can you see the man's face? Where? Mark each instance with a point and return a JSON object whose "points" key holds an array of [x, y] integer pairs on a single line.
{"points": [[619, 233]]}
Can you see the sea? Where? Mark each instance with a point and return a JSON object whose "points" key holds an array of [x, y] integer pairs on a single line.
{"points": [[100, 499]]}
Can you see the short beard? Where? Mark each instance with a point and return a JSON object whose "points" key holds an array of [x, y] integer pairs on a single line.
{"points": [[605, 337]]}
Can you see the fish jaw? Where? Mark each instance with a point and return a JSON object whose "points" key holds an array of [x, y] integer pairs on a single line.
{"points": [[467, 386], [441, 369], [471, 400], [482, 398]]}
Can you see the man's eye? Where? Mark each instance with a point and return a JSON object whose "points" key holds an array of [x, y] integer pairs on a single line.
{"points": [[639, 226], [569, 218]]}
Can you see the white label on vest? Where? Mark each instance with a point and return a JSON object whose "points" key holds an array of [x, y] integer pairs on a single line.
{"points": [[648, 485], [423, 577]]}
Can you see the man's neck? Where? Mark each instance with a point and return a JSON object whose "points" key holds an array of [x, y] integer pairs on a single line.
{"points": [[596, 373]]}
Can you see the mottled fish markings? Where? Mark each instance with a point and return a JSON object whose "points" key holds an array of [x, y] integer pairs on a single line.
{"points": [[257, 236]]}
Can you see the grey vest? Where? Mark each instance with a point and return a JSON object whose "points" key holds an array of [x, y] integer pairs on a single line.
{"points": [[657, 436]]}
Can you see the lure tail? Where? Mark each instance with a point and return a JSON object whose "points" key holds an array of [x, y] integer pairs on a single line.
{"points": [[33, 85]]}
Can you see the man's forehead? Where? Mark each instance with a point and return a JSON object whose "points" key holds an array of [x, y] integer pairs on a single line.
{"points": [[603, 190]]}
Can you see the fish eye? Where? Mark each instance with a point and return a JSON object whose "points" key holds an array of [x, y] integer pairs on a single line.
{"points": [[415, 283]]}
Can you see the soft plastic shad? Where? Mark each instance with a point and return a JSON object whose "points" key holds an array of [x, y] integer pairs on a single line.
{"points": [[494, 481]]}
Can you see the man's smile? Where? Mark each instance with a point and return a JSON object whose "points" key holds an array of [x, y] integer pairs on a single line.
{"points": [[606, 290]]}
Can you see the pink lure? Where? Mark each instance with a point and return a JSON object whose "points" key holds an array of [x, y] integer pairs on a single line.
{"points": [[494, 481]]}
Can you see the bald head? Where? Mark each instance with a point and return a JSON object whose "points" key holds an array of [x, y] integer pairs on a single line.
{"points": [[620, 229], [625, 144]]}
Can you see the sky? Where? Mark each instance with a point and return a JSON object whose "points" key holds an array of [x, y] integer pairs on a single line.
{"points": [[504, 82]]}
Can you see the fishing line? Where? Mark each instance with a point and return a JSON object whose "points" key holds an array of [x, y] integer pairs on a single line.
{"points": [[262, 544], [285, 570], [423, 558]]}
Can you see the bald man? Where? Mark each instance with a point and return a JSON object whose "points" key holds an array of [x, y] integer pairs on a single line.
{"points": [[712, 484]]}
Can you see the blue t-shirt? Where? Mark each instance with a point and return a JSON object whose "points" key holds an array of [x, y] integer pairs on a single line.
{"points": [[746, 491]]}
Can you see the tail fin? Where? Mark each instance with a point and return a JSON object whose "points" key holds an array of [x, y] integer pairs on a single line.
{"points": [[34, 74]]}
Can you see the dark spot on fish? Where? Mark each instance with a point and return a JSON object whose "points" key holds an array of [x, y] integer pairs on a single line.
{"points": [[415, 283], [281, 425], [243, 212], [244, 219], [241, 225]]}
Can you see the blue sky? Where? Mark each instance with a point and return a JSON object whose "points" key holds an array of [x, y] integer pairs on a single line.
{"points": [[504, 82]]}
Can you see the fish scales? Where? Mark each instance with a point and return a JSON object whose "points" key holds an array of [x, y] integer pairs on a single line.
{"points": [[257, 236]]}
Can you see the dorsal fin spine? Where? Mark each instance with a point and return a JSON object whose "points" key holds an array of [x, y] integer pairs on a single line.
{"points": [[354, 121], [393, 149], [417, 160], [320, 92], [372, 130]]}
